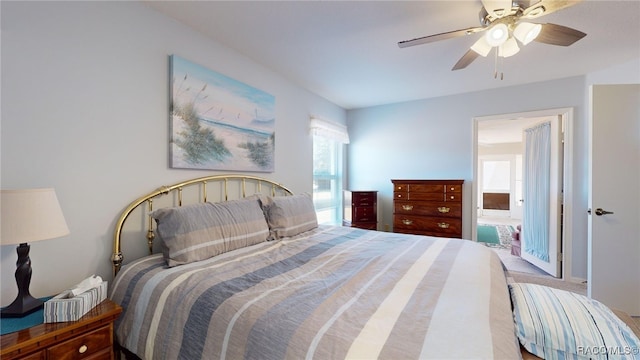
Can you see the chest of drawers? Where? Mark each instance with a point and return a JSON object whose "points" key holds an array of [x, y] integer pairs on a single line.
{"points": [[360, 209], [428, 207]]}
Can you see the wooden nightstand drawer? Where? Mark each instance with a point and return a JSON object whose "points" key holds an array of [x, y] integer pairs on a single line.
{"points": [[64, 340], [364, 214], [364, 198], [37, 356], [83, 347]]}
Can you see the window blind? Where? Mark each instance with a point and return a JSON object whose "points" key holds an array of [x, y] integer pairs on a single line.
{"points": [[329, 130]]}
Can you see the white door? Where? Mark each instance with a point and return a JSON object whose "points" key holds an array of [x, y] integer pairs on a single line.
{"points": [[552, 265], [614, 186]]}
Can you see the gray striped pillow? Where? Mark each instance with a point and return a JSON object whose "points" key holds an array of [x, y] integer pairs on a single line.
{"points": [[558, 324], [289, 215], [200, 231]]}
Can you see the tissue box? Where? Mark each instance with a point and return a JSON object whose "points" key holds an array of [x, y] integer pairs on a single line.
{"points": [[62, 307]]}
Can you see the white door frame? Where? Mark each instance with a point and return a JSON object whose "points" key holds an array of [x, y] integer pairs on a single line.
{"points": [[567, 228]]}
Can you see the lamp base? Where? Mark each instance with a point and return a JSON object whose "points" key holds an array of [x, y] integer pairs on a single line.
{"points": [[24, 302], [22, 306]]}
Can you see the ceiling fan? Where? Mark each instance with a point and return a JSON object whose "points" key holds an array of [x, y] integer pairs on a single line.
{"points": [[505, 24]]}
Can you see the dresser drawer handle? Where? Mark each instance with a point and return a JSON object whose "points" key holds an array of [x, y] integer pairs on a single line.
{"points": [[452, 197], [443, 225], [444, 209], [83, 349], [452, 188], [407, 207], [407, 222]]}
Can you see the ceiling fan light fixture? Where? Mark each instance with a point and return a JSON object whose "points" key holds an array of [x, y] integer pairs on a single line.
{"points": [[497, 8], [526, 32], [509, 48], [535, 12], [497, 35], [481, 47], [499, 12]]}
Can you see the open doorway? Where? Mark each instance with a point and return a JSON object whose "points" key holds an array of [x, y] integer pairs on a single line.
{"points": [[497, 198]]}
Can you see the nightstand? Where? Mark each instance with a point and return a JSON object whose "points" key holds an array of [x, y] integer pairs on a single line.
{"points": [[91, 337], [360, 209]]}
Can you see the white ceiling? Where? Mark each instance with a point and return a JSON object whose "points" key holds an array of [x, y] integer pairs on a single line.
{"points": [[347, 52]]}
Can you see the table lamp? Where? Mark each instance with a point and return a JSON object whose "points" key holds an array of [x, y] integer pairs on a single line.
{"points": [[27, 216]]}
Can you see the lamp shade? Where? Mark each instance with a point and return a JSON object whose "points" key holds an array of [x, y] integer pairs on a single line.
{"points": [[526, 32], [509, 48], [497, 35], [481, 46], [30, 215]]}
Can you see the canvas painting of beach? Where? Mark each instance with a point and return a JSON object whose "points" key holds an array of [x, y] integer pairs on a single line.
{"points": [[218, 123]]}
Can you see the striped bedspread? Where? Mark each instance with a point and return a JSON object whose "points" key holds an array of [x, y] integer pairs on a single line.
{"points": [[331, 293]]}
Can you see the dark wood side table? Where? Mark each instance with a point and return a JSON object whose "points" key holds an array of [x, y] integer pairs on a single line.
{"points": [[91, 337], [360, 209]]}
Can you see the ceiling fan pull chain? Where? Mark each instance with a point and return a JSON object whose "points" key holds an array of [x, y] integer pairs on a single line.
{"points": [[495, 65]]}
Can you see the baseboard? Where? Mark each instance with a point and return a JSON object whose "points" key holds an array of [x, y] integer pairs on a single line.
{"points": [[578, 280]]}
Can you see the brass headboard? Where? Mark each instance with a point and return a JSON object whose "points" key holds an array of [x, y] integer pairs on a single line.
{"points": [[239, 186]]}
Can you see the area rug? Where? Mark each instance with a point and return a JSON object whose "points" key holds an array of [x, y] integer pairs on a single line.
{"points": [[495, 235], [488, 234]]}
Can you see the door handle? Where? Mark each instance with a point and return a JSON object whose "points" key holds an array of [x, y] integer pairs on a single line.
{"points": [[600, 212]]}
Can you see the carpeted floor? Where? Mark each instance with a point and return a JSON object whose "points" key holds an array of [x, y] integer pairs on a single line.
{"points": [[578, 288], [519, 270]]}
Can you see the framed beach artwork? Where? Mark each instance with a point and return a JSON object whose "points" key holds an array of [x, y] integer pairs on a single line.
{"points": [[218, 123]]}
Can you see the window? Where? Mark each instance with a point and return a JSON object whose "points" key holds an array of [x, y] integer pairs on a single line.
{"points": [[328, 145]]}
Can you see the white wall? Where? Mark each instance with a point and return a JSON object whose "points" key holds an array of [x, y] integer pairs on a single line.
{"points": [[85, 110], [627, 73]]}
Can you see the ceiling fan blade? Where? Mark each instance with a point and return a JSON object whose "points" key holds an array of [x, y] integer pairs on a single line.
{"points": [[544, 7], [465, 60], [559, 35], [438, 37]]}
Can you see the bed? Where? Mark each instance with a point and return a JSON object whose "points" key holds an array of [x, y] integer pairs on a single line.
{"points": [[252, 275]]}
